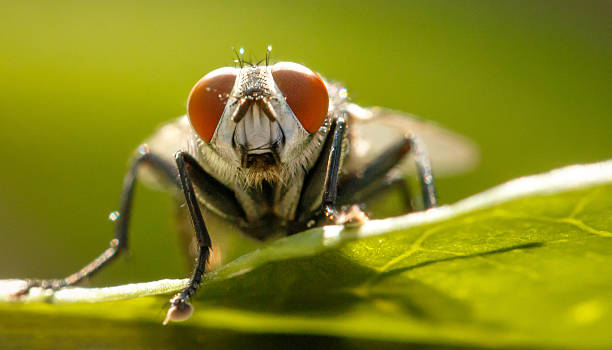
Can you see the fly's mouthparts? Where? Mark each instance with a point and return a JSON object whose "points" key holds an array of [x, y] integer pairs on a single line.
{"points": [[260, 161], [262, 158]]}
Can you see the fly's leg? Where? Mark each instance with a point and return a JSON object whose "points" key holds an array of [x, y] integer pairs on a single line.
{"points": [[378, 168], [330, 193], [333, 169], [320, 193], [423, 165], [120, 242], [180, 309], [383, 164], [387, 184]]}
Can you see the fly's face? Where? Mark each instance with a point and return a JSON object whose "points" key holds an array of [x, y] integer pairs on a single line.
{"points": [[267, 121]]}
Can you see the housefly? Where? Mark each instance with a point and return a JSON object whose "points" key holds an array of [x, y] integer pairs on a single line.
{"points": [[275, 149]]}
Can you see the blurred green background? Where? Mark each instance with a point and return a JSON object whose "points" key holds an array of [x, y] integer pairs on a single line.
{"points": [[83, 83]]}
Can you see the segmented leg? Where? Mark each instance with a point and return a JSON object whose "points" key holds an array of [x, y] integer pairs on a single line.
{"points": [[384, 163], [333, 170], [377, 169], [180, 308], [120, 242], [428, 187]]}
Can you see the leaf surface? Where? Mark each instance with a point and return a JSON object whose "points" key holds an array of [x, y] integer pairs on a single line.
{"points": [[528, 263]]}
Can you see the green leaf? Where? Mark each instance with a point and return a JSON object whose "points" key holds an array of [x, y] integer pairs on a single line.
{"points": [[528, 263]]}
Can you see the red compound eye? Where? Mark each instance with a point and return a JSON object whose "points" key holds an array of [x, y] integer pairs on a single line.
{"points": [[207, 100], [305, 93]]}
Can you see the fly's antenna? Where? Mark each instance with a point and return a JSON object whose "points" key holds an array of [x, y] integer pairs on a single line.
{"points": [[267, 59], [250, 61], [268, 50], [239, 59], [242, 62]]}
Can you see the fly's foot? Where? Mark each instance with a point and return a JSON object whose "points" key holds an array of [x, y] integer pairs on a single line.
{"points": [[47, 285], [179, 310], [352, 216]]}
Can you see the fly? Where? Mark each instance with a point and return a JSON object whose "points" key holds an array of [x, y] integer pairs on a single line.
{"points": [[275, 148]]}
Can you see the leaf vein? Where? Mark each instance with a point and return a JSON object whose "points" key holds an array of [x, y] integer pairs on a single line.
{"points": [[568, 220]]}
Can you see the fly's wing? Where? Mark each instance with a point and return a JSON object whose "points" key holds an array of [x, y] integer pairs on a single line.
{"points": [[165, 142], [373, 130], [170, 137]]}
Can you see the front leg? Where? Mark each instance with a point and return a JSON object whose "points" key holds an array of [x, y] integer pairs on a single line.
{"points": [[120, 243], [330, 195], [320, 193], [180, 309], [333, 170]]}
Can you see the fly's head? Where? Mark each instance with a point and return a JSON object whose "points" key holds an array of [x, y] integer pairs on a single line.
{"points": [[267, 122]]}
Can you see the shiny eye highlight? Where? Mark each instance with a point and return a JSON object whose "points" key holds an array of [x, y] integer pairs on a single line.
{"points": [[304, 92], [207, 100]]}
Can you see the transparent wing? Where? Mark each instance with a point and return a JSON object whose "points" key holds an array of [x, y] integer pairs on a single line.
{"points": [[372, 130], [170, 137], [165, 142]]}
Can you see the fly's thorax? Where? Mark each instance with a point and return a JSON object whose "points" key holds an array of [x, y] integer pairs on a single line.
{"points": [[264, 132]]}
